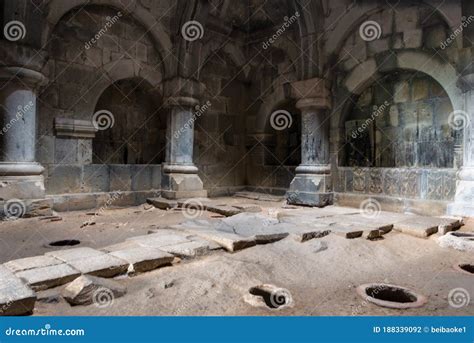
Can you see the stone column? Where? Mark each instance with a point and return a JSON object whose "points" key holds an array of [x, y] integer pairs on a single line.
{"points": [[180, 176], [312, 184], [20, 176], [463, 204]]}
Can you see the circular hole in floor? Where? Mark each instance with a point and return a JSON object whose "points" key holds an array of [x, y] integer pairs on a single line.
{"points": [[65, 243], [466, 267], [391, 296], [273, 297]]}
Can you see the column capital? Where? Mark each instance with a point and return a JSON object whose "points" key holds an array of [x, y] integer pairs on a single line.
{"points": [[312, 93], [30, 77], [182, 87], [181, 101]]}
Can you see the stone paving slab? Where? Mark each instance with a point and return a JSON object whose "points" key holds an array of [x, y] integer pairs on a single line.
{"points": [[67, 255], [103, 265], [50, 276], [16, 298], [259, 196], [126, 245], [423, 227], [143, 259], [191, 249], [159, 239], [32, 263]]}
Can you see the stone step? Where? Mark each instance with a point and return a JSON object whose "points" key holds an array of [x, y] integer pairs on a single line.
{"points": [[423, 227], [48, 277], [16, 298], [143, 259], [91, 261]]}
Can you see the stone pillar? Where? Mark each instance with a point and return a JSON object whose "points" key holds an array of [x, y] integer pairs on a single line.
{"points": [[463, 204], [20, 176], [180, 175], [311, 185]]}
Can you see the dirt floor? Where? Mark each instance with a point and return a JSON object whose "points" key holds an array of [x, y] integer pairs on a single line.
{"points": [[321, 274]]}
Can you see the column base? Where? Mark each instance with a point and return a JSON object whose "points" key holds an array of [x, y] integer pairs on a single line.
{"points": [[180, 184], [21, 181], [310, 190]]}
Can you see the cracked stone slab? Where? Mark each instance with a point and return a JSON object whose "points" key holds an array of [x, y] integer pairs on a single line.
{"points": [[87, 289], [32, 263], [357, 225], [143, 259], [311, 215], [50, 276], [126, 245], [16, 298], [191, 249], [259, 196], [67, 255], [423, 227], [102, 265], [159, 239], [225, 210], [91, 261]]}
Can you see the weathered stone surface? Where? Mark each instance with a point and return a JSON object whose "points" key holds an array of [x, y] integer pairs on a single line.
{"points": [[463, 241], [91, 261], [87, 289], [190, 249], [32, 263], [48, 277], [162, 203], [159, 239], [67, 255], [222, 209], [251, 208], [126, 245], [425, 226], [16, 298], [103, 265], [143, 259], [259, 196]]}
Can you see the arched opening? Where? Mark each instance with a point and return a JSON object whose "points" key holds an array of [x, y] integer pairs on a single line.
{"points": [[138, 133], [284, 147], [401, 120]]}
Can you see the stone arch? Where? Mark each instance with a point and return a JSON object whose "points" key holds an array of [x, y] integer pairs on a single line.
{"points": [[355, 16], [235, 53], [122, 70], [367, 72], [163, 45]]}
